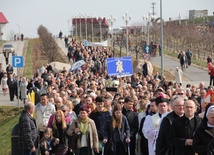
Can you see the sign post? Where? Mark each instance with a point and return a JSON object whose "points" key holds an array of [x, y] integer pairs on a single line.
{"points": [[17, 62]]}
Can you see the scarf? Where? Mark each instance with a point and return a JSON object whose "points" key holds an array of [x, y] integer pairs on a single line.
{"points": [[83, 125]]}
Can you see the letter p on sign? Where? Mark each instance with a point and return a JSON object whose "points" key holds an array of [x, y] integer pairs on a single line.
{"points": [[17, 61]]}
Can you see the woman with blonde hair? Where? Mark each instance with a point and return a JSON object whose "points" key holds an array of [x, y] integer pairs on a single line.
{"points": [[118, 132], [59, 128]]}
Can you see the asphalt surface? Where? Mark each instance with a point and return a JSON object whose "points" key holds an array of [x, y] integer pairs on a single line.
{"points": [[193, 74], [5, 100]]}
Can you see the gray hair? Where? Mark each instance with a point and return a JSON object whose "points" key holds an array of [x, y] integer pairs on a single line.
{"points": [[28, 106]]}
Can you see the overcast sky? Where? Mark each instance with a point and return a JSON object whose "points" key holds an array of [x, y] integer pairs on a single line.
{"points": [[53, 14]]}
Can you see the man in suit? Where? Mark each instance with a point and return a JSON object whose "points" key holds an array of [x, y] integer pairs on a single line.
{"points": [[183, 128]]}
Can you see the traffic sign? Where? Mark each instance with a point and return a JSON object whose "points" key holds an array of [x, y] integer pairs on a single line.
{"points": [[85, 43], [147, 49], [146, 56], [17, 61], [120, 66]]}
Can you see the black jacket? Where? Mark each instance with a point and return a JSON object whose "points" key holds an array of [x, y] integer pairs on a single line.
{"points": [[210, 149], [124, 133], [28, 132], [201, 139], [100, 119], [132, 118], [180, 131], [163, 142], [61, 134]]}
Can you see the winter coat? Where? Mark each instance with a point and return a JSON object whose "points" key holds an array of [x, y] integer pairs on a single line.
{"points": [[124, 133], [179, 132], [28, 132], [201, 139]]}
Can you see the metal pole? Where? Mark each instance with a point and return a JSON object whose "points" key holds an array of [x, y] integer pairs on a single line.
{"points": [[80, 27], [127, 39], [148, 32], [68, 26], [86, 27], [161, 40], [76, 26], [18, 86], [92, 31]]}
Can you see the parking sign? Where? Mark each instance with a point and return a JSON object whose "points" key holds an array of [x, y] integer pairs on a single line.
{"points": [[17, 61]]}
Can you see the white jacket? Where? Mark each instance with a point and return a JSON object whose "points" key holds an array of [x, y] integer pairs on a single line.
{"points": [[42, 117]]}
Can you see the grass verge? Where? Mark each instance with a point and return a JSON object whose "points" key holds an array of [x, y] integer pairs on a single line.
{"points": [[28, 62], [8, 119]]}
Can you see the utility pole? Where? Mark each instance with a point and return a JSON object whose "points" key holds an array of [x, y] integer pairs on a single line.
{"points": [[153, 8]]}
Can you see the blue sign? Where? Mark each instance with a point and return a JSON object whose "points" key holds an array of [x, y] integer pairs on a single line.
{"points": [[17, 61], [85, 43], [120, 66], [147, 49]]}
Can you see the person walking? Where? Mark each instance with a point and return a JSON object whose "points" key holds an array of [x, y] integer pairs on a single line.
{"points": [[87, 141], [189, 58], [12, 86], [183, 129], [59, 128], [28, 132], [183, 59], [118, 132], [204, 133], [100, 116], [178, 76], [163, 145], [42, 113], [23, 89], [4, 84], [132, 118]]}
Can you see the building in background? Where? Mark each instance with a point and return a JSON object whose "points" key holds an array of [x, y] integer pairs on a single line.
{"points": [[3, 22], [197, 13]]}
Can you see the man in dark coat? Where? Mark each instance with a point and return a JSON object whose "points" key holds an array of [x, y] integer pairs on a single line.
{"points": [[145, 69], [132, 118], [28, 130], [101, 116], [12, 86], [162, 143], [183, 128]]}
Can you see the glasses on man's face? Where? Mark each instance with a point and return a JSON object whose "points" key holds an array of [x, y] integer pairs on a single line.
{"points": [[178, 105], [180, 93], [120, 102], [63, 110]]}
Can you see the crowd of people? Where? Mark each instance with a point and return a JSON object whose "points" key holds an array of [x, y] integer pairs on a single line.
{"points": [[85, 112]]}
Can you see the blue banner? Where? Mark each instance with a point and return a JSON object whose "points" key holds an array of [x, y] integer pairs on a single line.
{"points": [[120, 66]]}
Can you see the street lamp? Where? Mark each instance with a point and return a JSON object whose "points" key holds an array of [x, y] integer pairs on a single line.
{"points": [[111, 21], [75, 17], [99, 19], [161, 39], [148, 20], [19, 28], [92, 28], [68, 20], [86, 27], [80, 17], [126, 18]]}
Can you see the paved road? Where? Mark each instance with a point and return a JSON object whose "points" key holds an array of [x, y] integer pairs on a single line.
{"points": [[193, 74], [5, 100]]}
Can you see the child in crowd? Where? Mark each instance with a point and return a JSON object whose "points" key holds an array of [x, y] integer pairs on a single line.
{"points": [[47, 142]]}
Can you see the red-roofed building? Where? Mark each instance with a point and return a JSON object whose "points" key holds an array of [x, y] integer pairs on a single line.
{"points": [[90, 24], [3, 21]]}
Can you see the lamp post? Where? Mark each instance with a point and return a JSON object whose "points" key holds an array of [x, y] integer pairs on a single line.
{"points": [[111, 21], [19, 28], [161, 39], [99, 19], [92, 28], [126, 18], [148, 20], [68, 20], [86, 36], [75, 17], [80, 18]]}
